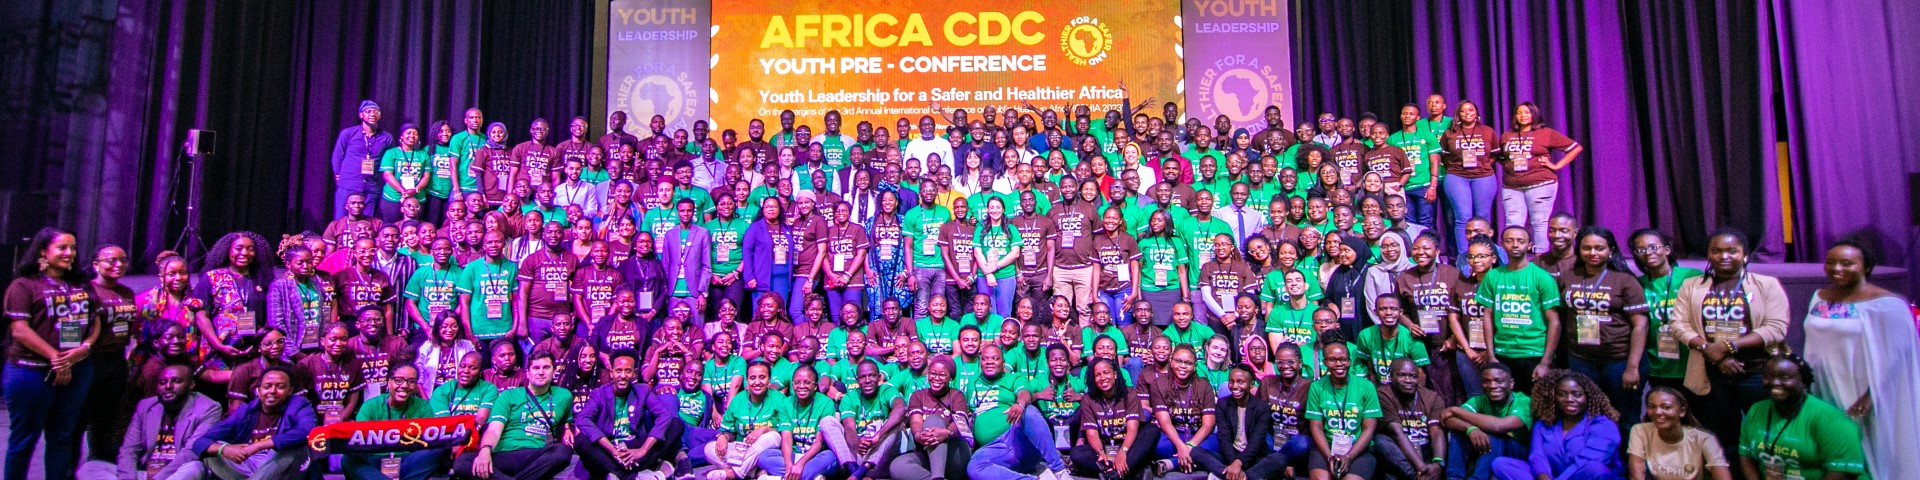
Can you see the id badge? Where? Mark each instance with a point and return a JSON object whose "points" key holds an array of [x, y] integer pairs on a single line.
{"points": [[1589, 327], [390, 467], [1477, 334], [558, 290], [1776, 470], [723, 254], [1160, 274], [1111, 449], [1226, 299], [1346, 307], [73, 331], [780, 255], [1060, 435], [537, 430], [1666, 346], [965, 265], [598, 313], [244, 324], [1029, 256], [646, 298], [928, 247], [1430, 320], [332, 413], [1342, 443], [737, 453], [840, 262], [367, 165], [1470, 159], [496, 309]]}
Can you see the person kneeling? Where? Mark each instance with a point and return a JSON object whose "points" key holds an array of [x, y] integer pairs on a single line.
{"points": [[519, 441], [264, 438], [163, 424], [1489, 426], [401, 402]]}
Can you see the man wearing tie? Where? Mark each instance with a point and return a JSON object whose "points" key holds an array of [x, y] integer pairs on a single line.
{"points": [[1244, 220]]}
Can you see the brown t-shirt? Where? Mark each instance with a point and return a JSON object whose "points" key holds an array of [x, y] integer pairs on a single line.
{"points": [[332, 382], [811, 234], [240, 384], [754, 333], [1598, 311], [495, 167], [952, 406], [537, 162], [1228, 281], [358, 290], [1427, 299], [1035, 231], [57, 311], [1526, 156], [844, 245], [1287, 406], [1466, 151], [1281, 232], [547, 277], [1348, 162], [1185, 405], [1116, 254], [375, 360], [1076, 223], [1470, 310], [1389, 161], [1555, 265], [114, 310], [1109, 417], [596, 286], [956, 238], [1412, 417]]}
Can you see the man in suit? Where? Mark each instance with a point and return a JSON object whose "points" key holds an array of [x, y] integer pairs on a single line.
{"points": [[157, 439]]}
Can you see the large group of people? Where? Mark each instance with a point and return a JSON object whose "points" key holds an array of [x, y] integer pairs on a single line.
{"points": [[1032, 292]]}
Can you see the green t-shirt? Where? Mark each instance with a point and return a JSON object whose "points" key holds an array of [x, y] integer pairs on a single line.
{"points": [[1662, 294], [869, 414], [1377, 355], [804, 421], [441, 168], [1820, 439], [702, 202], [1160, 261], [449, 399], [990, 398], [464, 143], [378, 409], [1087, 336], [590, 175], [1032, 366], [1519, 406], [531, 419], [1273, 287], [659, 221], [1519, 300], [695, 406], [1196, 335], [989, 328], [1341, 410], [922, 225], [1193, 158], [743, 416], [1296, 324], [433, 289], [996, 243], [728, 235], [719, 375], [938, 337], [1199, 236], [903, 380], [491, 286], [1058, 410], [407, 167], [1419, 146]]}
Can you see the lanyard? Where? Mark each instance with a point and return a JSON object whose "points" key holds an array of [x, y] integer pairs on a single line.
{"points": [[539, 404], [1771, 438]]}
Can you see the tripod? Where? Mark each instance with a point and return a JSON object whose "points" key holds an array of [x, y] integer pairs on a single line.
{"points": [[189, 244]]}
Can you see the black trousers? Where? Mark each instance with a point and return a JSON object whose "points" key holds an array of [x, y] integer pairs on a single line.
{"points": [[599, 462], [1082, 459]]}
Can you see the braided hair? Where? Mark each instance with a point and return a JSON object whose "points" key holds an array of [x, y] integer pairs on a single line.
{"points": [[1546, 396]]}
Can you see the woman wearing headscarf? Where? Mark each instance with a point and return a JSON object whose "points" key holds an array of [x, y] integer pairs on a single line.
{"points": [[1393, 260], [1346, 284]]}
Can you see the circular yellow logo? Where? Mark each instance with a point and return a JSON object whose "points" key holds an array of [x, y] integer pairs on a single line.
{"points": [[1086, 41]]}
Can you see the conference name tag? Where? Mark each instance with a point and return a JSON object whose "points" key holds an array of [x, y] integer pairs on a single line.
{"points": [[1588, 327], [1430, 320], [496, 309], [367, 165], [1666, 346]]}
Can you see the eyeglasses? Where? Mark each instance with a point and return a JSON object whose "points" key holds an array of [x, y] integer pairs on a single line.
{"points": [[1650, 249]]}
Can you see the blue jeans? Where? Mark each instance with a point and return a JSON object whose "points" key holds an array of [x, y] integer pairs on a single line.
{"points": [[1002, 294], [837, 297], [779, 282], [1469, 198], [698, 436], [1469, 373], [413, 466], [1021, 449], [1115, 304], [36, 407], [797, 299], [1464, 463], [822, 463], [1419, 210], [1607, 375]]}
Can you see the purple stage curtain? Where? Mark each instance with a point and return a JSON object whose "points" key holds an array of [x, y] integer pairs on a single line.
{"points": [[277, 80], [1668, 100]]}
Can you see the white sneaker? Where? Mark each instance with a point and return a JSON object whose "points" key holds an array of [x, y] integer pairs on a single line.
{"points": [[1047, 475]]}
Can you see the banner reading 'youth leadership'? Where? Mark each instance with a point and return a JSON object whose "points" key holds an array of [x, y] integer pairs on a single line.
{"points": [[657, 60], [1238, 60]]}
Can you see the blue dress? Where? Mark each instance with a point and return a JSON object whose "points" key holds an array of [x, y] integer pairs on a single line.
{"points": [[1588, 451]]}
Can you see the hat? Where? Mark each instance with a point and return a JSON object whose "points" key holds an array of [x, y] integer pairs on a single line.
{"points": [[366, 104]]}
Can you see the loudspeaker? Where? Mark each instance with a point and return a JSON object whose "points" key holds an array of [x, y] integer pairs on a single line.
{"points": [[200, 142]]}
